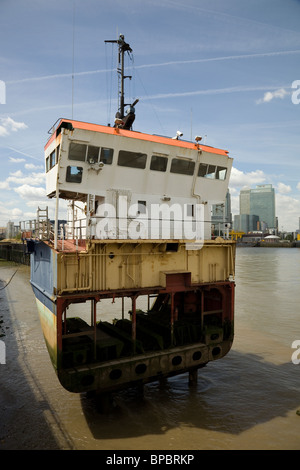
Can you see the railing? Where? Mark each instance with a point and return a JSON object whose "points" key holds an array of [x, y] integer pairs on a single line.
{"points": [[99, 227]]}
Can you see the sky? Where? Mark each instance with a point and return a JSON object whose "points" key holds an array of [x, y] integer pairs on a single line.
{"points": [[228, 70]]}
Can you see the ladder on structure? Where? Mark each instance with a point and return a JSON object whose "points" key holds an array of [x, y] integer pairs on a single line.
{"points": [[42, 224]]}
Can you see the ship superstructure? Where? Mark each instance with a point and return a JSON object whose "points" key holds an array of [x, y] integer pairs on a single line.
{"points": [[138, 226]]}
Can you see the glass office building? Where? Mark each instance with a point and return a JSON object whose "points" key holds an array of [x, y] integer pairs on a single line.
{"points": [[257, 205], [262, 203]]}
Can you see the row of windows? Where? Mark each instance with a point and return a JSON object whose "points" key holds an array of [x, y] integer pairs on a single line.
{"points": [[92, 154], [74, 173], [52, 159]]}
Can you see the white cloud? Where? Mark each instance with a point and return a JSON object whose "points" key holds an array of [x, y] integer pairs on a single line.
{"points": [[35, 179], [10, 214], [16, 212], [32, 166], [283, 188], [287, 210], [240, 179], [298, 186], [16, 160], [28, 192], [30, 215], [3, 131], [17, 173], [8, 125], [4, 185], [270, 95]]}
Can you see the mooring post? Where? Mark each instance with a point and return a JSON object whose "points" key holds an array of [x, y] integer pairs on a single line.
{"points": [[193, 377]]}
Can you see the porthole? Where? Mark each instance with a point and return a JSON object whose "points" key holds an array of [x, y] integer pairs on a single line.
{"points": [[176, 360], [214, 336], [216, 351], [197, 355], [140, 369]]}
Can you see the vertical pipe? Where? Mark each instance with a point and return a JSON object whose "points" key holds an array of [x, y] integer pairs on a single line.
{"points": [[65, 321], [92, 312], [122, 307], [202, 310], [172, 318], [133, 320], [95, 327], [73, 220], [56, 216]]}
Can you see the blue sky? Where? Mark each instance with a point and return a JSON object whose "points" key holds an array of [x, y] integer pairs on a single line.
{"points": [[223, 69]]}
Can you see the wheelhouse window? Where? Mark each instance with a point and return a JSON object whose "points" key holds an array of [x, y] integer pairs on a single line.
{"points": [[132, 159], [212, 171], [202, 169], [77, 151], [52, 159], [92, 154], [74, 174], [106, 156], [221, 172], [182, 167], [158, 163]]}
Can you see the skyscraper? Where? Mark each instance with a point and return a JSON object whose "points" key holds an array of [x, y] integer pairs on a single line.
{"points": [[245, 201], [259, 205], [262, 203]]}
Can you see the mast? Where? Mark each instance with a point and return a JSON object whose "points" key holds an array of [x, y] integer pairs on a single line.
{"points": [[121, 120]]}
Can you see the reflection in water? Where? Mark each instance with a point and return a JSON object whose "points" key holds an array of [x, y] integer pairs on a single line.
{"points": [[247, 400], [238, 393]]}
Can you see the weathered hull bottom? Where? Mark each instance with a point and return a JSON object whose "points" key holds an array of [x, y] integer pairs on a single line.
{"points": [[105, 358], [127, 372]]}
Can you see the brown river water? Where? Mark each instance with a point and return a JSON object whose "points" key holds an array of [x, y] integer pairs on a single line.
{"points": [[248, 400]]}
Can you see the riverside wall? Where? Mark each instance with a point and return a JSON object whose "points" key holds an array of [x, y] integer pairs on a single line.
{"points": [[16, 252]]}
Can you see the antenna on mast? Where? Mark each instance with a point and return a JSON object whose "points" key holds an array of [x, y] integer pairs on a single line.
{"points": [[122, 121]]}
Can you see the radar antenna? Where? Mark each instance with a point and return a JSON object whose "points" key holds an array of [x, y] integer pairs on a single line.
{"points": [[122, 121]]}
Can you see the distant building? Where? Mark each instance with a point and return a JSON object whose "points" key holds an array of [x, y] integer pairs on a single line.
{"points": [[257, 209], [262, 203], [11, 230], [246, 223], [245, 201]]}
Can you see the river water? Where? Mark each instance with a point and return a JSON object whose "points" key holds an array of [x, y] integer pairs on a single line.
{"points": [[247, 400]]}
